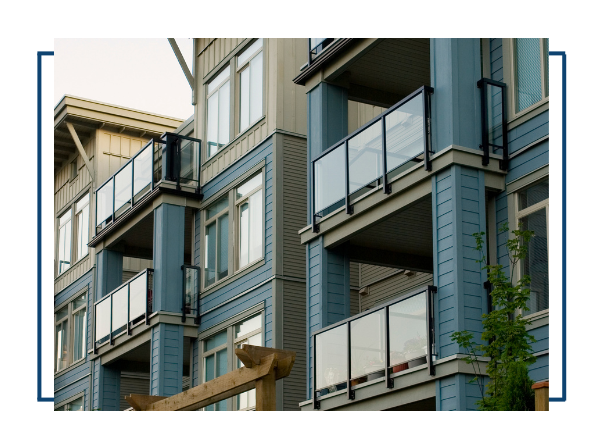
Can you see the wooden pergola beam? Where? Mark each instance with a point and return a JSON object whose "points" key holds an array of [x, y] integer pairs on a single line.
{"points": [[262, 367]]}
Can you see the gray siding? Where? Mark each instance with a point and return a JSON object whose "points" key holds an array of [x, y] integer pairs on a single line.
{"points": [[294, 206], [393, 287], [371, 273], [138, 383], [294, 338]]}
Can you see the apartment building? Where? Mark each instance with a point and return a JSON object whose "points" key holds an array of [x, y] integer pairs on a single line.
{"points": [[413, 146], [193, 255], [92, 141]]}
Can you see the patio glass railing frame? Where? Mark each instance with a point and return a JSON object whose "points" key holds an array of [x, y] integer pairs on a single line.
{"points": [[485, 143], [129, 323], [183, 301], [426, 92], [389, 383]]}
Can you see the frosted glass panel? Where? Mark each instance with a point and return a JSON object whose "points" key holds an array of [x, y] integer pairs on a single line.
{"points": [[408, 329], [330, 179], [332, 357], [365, 157], [367, 339], [404, 133]]}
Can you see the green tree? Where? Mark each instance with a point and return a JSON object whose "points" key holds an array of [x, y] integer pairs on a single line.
{"points": [[504, 339]]}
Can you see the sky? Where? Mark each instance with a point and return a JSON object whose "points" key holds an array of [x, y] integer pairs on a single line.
{"points": [[143, 74]]}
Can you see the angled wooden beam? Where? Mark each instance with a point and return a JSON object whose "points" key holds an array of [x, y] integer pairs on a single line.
{"points": [[81, 150], [181, 60]]}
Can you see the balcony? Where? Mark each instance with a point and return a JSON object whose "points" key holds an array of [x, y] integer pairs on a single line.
{"points": [[172, 158], [493, 121], [380, 149], [376, 344], [124, 308]]}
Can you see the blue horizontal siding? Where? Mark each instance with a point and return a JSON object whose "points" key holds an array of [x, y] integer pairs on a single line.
{"points": [[72, 390], [540, 369], [496, 69]]}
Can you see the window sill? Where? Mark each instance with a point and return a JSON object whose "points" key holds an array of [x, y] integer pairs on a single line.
{"points": [[528, 113], [225, 281], [70, 367], [233, 142]]}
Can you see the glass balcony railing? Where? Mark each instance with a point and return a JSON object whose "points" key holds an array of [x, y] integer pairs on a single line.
{"points": [[386, 145], [191, 293], [316, 47], [493, 120], [122, 309], [173, 158], [374, 344]]}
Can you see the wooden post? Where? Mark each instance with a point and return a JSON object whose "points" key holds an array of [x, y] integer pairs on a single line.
{"points": [[542, 396], [265, 393]]}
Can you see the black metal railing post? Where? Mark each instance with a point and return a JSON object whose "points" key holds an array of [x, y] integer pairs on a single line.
{"points": [[485, 145], [111, 329], [389, 383], [94, 331], [148, 272], [315, 226], [349, 208], [482, 84], [350, 392], [427, 128], [183, 295], [316, 402], [128, 311], [387, 189], [504, 164], [430, 328]]}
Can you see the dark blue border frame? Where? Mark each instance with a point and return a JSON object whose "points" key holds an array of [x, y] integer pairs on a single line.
{"points": [[562, 54], [40, 54]]}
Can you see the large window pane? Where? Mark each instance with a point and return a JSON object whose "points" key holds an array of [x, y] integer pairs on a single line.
{"points": [[210, 241], [244, 99], [142, 172], [248, 186], [534, 194], [494, 113], [224, 115], [83, 227], [330, 179], [332, 357], [223, 247], [367, 336], [247, 326], [188, 173], [212, 132], [119, 310], [138, 297], [64, 242], [256, 82], [251, 236], [408, 329], [243, 57], [529, 72], [535, 263], [61, 346], [123, 190], [364, 154], [216, 340], [75, 406], [404, 133], [104, 204], [79, 327]]}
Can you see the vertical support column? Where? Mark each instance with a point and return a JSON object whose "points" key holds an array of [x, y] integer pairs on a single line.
{"points": [[166, 360], [455, 66], [109, 266], [169, 229], [458, 199], [106, 386], [328, 293], [327, 124]]}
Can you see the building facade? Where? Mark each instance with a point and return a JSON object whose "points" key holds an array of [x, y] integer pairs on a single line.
{"points": [[413, 146]]}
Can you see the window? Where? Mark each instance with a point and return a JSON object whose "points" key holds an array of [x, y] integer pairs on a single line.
{"points": [[532, 213], [219, 357], [218, 113], [73, 406], [233, 229], [250, 67], [531, 72], [249, 204], [70, 332], [64, 242], [216, 241], [82, 217], [74, 169]]}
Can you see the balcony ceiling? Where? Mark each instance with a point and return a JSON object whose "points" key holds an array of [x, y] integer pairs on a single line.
{"points": [[388, 71], [408, 232]]}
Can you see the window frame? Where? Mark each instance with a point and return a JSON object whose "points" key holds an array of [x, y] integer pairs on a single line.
{"points": [[520, 214], [59, 227], [240, 68], [70, 330], [230, 190], [237, 205], [72, 207], [78, 230], [207, 97], [62, 406], [509, 55], [215, 219], [229, 327]]}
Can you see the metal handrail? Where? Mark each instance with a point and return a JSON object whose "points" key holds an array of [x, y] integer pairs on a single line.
{"points": [[426, 91], [429, 318], [129, 325]]}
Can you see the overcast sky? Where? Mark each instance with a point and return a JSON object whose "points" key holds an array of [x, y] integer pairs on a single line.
{"points": [[136, 73]]}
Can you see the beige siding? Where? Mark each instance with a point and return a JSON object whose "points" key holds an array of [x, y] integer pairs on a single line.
{"points": [[234, 151], [294, 205], [354, 302], [114, 150], [213, 51], [65, 189], [393, 287], [294, 339], [361, 113], [73, 273], [372, 273], [354, 274]]}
